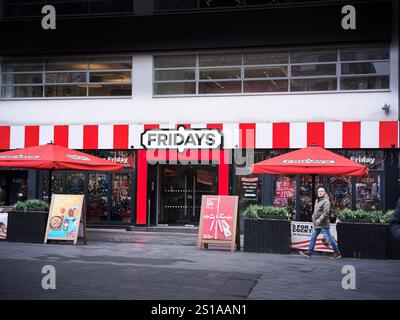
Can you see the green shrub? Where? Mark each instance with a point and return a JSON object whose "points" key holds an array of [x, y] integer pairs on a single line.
{"points": [[32, 204], [374, 216], [1, 203], [257, 211], [387, 217]]}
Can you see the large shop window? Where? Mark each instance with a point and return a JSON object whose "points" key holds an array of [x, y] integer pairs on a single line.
{"points": [[295, 70], [295, 191], [110, 195], [67, 77]]}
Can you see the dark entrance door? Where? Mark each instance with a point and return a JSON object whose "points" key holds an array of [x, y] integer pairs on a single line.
{"points": [[180, 189]]}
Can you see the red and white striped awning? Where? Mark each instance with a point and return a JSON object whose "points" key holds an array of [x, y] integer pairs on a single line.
{"points": [[276, 135]]}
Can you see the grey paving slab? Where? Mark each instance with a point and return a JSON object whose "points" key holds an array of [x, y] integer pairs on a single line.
{"points": [[170, 266]]}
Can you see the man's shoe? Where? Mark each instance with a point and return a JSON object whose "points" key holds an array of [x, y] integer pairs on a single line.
{"points": [[306, 253], [335, 256]]}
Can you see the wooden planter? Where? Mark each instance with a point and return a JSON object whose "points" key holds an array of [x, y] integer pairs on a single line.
{"points": [[362, 240], [29, 226], [267, 235], [393, 245]]}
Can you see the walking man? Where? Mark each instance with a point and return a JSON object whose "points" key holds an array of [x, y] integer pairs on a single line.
{"points": [[321, 223]]}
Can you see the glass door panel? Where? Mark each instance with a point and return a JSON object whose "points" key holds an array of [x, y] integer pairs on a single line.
{"points": [[121, 197], [205, 182], [173, 200], [97, 197]]}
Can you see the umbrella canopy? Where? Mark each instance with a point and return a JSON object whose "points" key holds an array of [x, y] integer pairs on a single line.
{"points": [[310, 160], [54, 157]]}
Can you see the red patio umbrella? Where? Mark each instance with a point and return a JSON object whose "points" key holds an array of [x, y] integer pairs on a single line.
{"points": [[54, 157], [311, 160]]}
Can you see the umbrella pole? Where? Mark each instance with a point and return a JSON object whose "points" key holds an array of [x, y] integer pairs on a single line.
{"points": [[312, 192], [49, 186]]}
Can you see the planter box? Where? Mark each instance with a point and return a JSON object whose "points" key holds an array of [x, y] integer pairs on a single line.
{"points": [[362, 240], [29, 226], [393, 245], [267, 235]]}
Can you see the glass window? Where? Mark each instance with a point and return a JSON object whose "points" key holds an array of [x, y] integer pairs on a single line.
{"points": [[22, 66], [364, 83], [97, 197], [22, 78], [180, 61], [179, 74], [66, 77], [169, 88], [265, 58], [339, 194], [110, 90], [306, 56], [65, 91], [22, 91], [266, 72], [75, 183], [306, 196], [366, 68], [66, 64], [307, 70], [64, 71], [364, 53], [368, 193], [121, 197], [220, 87], [265, 86], [285, 192], [322, 84], [120, 76], [110, 63], [214, 60], [226, 73]]}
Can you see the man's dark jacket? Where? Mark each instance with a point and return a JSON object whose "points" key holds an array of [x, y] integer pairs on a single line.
{"points": [[396, 221]]}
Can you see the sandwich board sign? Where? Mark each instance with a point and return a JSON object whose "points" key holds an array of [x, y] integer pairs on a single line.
{"points": [[218, 221], [66, 220]]}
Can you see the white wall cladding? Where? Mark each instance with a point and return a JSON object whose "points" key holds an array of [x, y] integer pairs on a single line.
{"points": [[143, 108]]}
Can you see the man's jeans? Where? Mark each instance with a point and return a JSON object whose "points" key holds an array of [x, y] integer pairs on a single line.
{"points": [[328, 236]]}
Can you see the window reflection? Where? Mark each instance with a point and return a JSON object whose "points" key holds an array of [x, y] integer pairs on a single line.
{"points": [[285, 192], [339, 193], [368, 193], [121, 197], [97, 196], [306, 205]]}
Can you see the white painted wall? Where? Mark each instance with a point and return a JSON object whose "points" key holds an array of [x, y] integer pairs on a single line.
{"points": [[143, 108]]}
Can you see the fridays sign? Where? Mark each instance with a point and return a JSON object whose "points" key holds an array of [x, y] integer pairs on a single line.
{"points": [[182, 139], [301, 236]]}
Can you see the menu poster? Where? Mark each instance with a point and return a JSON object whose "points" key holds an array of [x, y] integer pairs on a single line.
{"points": [[249, 187], [3, 225], [218, 220], [64, 217]]}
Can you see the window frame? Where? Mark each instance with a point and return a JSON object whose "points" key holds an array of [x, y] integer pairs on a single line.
{"points": [[87, 71], [338, 76]]}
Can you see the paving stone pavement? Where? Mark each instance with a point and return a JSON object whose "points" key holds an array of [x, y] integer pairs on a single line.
{"points": [[169, 266]]}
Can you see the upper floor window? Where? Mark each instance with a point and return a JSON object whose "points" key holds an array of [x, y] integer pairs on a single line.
{"points": [[300, 70], [67, 77]]}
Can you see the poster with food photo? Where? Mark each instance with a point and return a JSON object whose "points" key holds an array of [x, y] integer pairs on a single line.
{"points": [[64, 217]]}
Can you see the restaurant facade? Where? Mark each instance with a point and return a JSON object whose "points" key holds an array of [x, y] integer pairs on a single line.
{"points": [[190, 119]]}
